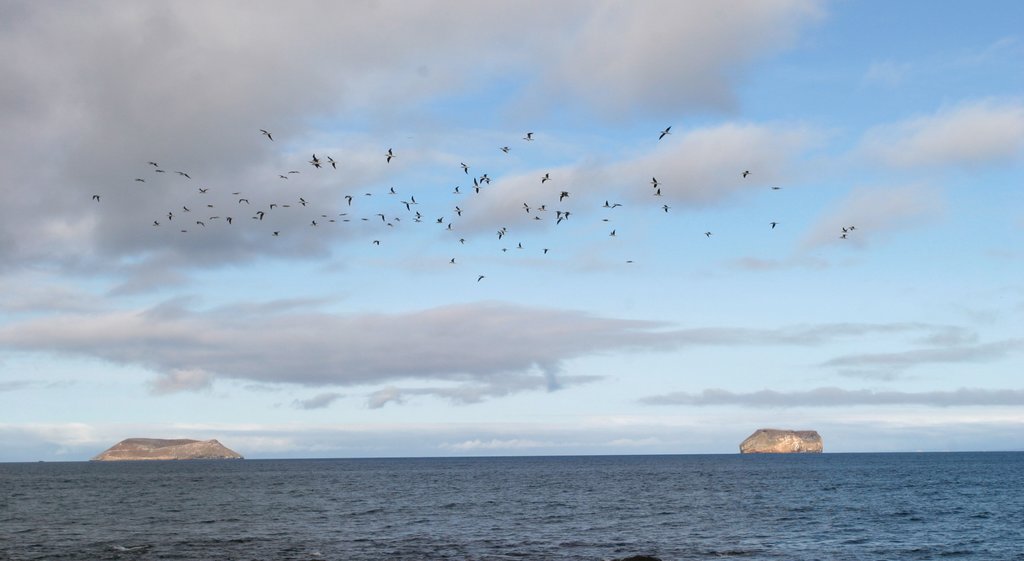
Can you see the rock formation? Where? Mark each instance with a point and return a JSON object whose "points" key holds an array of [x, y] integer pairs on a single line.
{"points": [[159, 449], [775, 441]]}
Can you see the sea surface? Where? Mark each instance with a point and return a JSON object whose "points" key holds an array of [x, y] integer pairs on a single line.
{"points": [[770, 507]]}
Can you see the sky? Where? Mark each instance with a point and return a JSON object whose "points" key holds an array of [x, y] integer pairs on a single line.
{"points": [[829, 236]]}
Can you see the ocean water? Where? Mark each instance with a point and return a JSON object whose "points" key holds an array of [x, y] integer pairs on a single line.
{"points": [[772, 507]]}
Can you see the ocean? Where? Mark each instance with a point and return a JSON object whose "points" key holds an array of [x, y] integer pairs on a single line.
{"points": [[749, 507]]}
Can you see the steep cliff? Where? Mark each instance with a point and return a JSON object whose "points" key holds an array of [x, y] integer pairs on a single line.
{"points": [[775, 441], [159, 449]]}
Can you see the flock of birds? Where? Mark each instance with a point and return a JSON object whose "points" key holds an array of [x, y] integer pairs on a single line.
{"points": [[204, 211]]}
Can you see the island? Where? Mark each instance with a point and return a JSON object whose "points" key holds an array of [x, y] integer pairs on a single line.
{"points": [[776, 441], [162, 449]]}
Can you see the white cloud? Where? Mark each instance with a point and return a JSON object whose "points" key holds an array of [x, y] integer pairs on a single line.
{"points": [[875, 213], [663, 56], [970, 134]]}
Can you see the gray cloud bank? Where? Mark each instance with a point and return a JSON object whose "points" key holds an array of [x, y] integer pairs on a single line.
{"points": [[464, 353], [832, 397]]}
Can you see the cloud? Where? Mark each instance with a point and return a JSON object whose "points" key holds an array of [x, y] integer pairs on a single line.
{"points": [[837, 397], [102, 95], [874, 213], [668, 55], [15, 385], [181, 379], [319, 401], [970, 134], [466, 353], [695, 168], [486, 349], [892, 363], [496, 444]]}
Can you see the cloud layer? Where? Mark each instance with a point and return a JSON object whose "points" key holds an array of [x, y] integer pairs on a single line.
{"points": [[838, 397]]}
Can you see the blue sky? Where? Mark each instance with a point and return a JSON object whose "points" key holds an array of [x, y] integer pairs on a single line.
{"points": [[129, 316]]}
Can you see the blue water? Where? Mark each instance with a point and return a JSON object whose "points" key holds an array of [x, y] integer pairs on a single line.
{"points": [[773, 507]]}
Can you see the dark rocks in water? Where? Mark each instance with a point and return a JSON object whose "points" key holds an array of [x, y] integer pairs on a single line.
{"points": [[775, 441], [639, 558], [161, 449]]}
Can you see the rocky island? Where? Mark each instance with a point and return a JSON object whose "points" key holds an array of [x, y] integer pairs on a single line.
{"points": [[775, 441], [161, 449]]}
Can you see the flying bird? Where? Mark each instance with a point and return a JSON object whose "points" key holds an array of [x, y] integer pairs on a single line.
{"points": [[528, 137], [547, 177], [505, 149], [773, 224], [96, 197], [708, 234], [746, 173], [664, 132], [183, 174], [266, 134], [390, 155], [315, 161], [465, 168], [479, 278]]}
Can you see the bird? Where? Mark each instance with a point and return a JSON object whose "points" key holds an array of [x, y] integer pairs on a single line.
{"points": [[315, 161], [390, 155], [266, 134], [348, 199], [202, 190], [664, 207], [746, 173], [654, 182], [708, 234], [505, 149], [480, 278], [96, 198], [154, 164], [528, 137], [140, 180], [563, 195], [183, 174], [547, 177], [775, 188], [465, 168], [332, 162], [664, 132], [452, 261], [612, 233], [773, 224]]}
